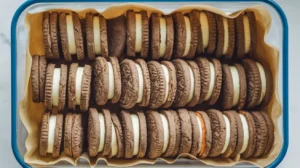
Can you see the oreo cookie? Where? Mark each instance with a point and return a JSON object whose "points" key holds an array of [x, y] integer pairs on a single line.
{"points": [[234, 86], [137, 33], [79, 86], [162, 36], [105, 135], [246, 34], [211, 80], [55, 86], [96, 35], [71, 35], [259, 82], [106, 80], [135, 83], [135, 134], [188, 83], [73, 135], [185, 35], [51, 134], [51, 35], [38, 75]]}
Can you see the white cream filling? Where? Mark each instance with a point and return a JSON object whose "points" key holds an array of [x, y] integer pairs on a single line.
{"points": [[114, 144], [167, 77], [138, 32], [191, 94], [97, 34], [79, 75], [51, 133], [227, 139], [204, 29], [71, 35], [226, 35], [141, 83], [200, 135], [246, 132], [136, 133], [163, 36], [188, 35], [165, 124], [212, 81], [102, 132], [55, 86], [111, 81], [236, 85], [263, 81], [247, 33]]}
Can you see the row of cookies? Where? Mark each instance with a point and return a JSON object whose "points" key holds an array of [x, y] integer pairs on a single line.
{"points": [[167, 133], [148, 35], [152, 84]]}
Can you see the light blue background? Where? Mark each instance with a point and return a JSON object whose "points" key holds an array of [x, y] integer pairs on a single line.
{"points": [[291, 8]]}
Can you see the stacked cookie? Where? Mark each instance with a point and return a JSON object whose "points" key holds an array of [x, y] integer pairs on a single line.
{"points": [[148, 35], [153, 84], [167, 133]]}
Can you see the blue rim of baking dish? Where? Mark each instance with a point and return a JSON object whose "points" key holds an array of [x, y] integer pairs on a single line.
{"points": [[285, 78]]}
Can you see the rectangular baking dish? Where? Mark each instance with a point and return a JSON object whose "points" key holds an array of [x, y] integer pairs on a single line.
{"points": [[277, 37]]}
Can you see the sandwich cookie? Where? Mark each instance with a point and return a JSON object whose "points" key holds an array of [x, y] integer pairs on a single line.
{"points": [[261, 134], [135, 134], [137, 33], [163, 84], [107, 80], [38, 75], [259, 82], [249, 134], [186, 131], [116, 31], [135, 83], [71, 35], [55, 86], [196, 134], [246, 34], [79, 86], [232, 130], [225, 37], [51, 134], [96, 35], [104, 134], [207, 32], [220, 127], [211, 80], [185, 38], [51, 35], [161, 134], [162, 36], [234, 86], [186, 83], [73, 135], [204, 125]]}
